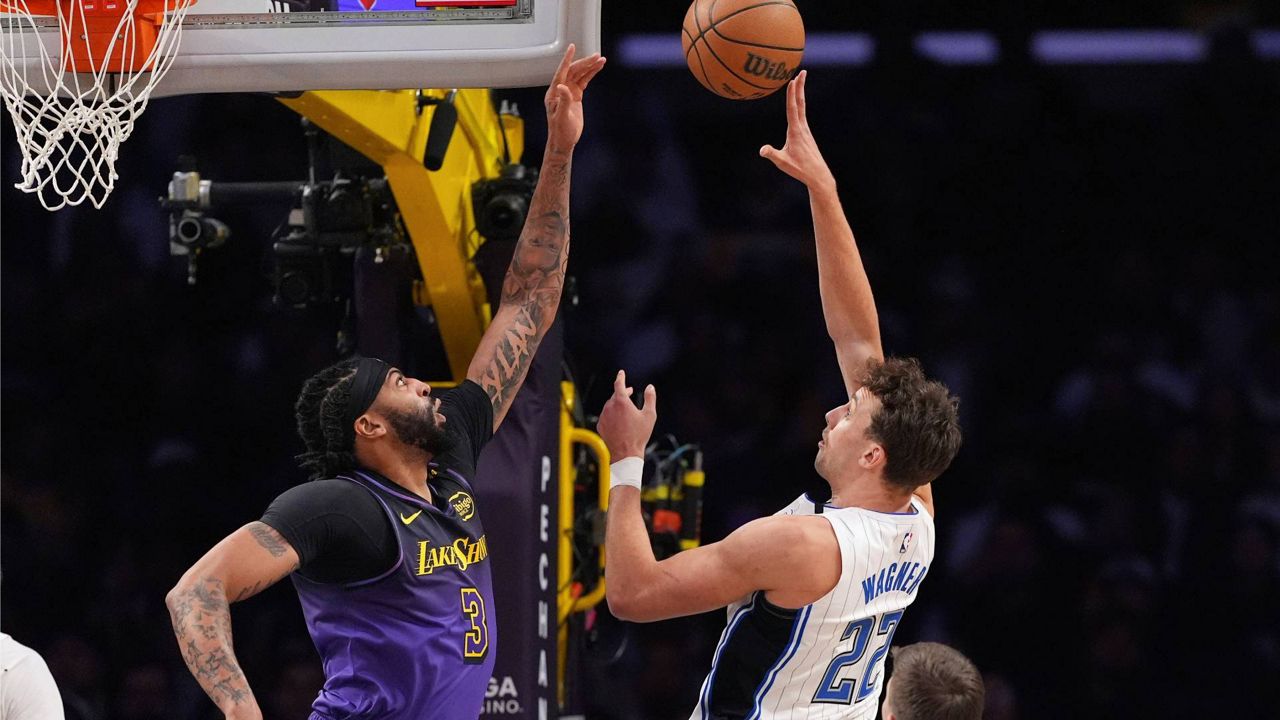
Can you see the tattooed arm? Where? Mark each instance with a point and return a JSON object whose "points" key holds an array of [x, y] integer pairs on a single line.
{"points": [[535, 278], [245, 563]]}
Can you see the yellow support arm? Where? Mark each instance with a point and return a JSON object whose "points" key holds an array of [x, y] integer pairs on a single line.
{"points": [[581, 436], [436, 206], [566, 603]]}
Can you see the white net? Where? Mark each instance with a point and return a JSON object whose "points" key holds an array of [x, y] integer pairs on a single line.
{"points": [[72, 115]]}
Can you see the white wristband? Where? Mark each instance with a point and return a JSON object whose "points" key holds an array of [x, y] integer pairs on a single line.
{"points": [[626, 471]]}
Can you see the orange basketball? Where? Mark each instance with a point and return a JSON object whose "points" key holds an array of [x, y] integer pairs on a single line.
{"points": [[743, 49]]}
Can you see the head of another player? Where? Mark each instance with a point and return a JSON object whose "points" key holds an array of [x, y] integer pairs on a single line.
{"points": [[364, 402], [931, 681], [899, 427]]}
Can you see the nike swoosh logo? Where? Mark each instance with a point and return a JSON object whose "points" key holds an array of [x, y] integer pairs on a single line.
{"points": [[410, 518]]}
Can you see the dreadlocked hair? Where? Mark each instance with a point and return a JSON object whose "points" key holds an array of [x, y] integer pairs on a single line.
{"points": [[321, 414]]}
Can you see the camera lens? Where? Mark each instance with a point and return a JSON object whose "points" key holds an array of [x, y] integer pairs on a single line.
{"points": [[294, 288], [502, 204], [189, 230], [504, 215]]}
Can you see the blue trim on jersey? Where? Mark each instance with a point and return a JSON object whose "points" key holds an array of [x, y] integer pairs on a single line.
{"points": [[914, 511], [704, 697], [793, 644], [809, 497]]}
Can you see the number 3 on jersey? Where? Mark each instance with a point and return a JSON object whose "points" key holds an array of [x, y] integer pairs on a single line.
{"points": [[832, 690], [475, 643]]}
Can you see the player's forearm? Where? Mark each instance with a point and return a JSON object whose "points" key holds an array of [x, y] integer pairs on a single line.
{"points": [[201, 619], [532, 287], [535, 277], [847, 303], [629, 557]]}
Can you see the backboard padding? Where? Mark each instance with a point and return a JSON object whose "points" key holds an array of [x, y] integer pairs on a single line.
{"points": [[250, 46]]}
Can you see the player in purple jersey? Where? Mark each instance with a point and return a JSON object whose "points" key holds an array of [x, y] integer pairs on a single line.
{"points": [[385, 545]]}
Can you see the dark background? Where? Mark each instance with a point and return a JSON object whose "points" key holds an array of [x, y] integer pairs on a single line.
{"points": [[1086, 255]]}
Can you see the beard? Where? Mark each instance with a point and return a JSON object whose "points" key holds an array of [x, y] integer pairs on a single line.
{"points": [[421, 430]]}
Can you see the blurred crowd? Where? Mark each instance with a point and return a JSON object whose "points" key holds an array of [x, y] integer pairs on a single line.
{"points": [[1086, 256]]}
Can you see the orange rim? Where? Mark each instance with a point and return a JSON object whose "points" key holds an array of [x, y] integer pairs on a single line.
{"points": [[114, 8], [89, 28]]}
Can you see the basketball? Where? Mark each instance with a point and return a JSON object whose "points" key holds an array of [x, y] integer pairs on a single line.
{"points": [[743, 49]]}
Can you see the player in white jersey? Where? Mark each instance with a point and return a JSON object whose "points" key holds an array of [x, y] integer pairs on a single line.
{"points": [[815, 592]]}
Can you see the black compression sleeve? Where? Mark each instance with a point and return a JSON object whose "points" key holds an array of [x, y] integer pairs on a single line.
{"points": [[340, 532], [468, 413]]}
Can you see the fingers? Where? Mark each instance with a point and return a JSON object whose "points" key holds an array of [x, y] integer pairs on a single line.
{"points": [[792, 116], [579, 68], [771, 153], [650, 400], [796, 112], [620, 388], [592, 70], [562, 72], [800, 102], [581, 72]]}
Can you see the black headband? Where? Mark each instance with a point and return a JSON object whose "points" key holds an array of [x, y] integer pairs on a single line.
{"points": [[370, 374]]}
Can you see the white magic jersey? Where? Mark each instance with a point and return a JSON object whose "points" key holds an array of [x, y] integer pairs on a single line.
{"points": [[825, 660]]}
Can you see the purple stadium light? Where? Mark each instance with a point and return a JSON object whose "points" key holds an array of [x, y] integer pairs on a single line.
{"points": [[1055, 47], [821, 49], [1266, 44], [1108, 47], [959, 48]]}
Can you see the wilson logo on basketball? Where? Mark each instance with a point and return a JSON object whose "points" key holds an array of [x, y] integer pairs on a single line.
{"points": [[763, 67]]}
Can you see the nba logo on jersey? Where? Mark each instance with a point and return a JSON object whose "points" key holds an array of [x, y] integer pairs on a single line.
{"points": [[825, 660]]}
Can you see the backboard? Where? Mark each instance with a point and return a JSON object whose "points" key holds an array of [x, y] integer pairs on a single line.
{"points": [[294, 45]]}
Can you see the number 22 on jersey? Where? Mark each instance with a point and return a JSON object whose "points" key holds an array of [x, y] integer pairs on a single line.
{"points": [[845, 691]]}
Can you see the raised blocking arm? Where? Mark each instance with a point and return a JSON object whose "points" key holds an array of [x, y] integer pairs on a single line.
{"points": [[535, 279]]}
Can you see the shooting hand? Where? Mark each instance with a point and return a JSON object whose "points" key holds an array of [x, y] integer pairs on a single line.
{"points": [[624, 427], [800, 157], [564, 99]]}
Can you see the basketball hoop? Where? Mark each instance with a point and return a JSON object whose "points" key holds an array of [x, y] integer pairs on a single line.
{"points": [[74, 104]]}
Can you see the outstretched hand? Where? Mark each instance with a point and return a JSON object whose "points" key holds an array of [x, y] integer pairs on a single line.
{"points": [[624, 427], [800, 157], [564, 98]]}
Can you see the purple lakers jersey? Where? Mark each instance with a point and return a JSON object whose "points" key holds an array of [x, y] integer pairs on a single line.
{"points": [[417, 641]]}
